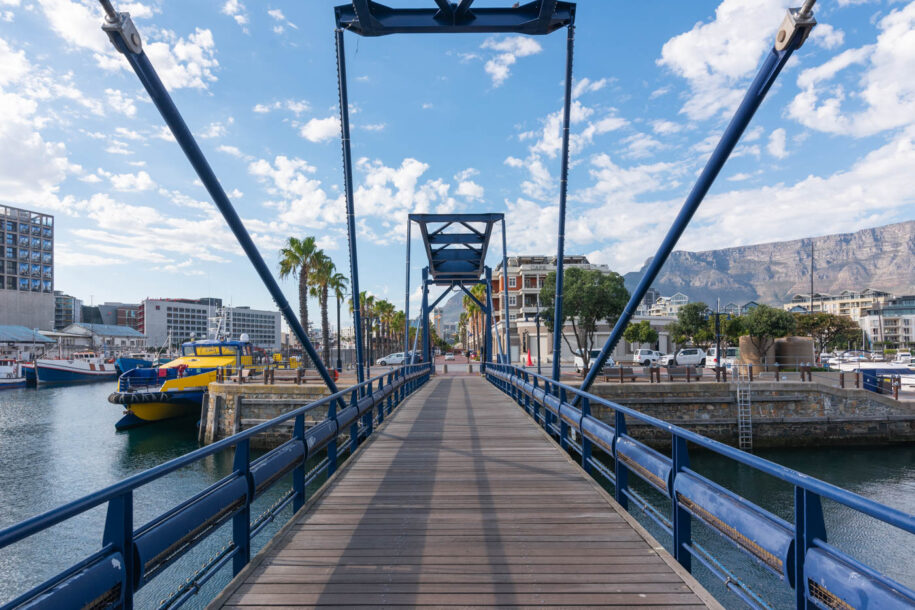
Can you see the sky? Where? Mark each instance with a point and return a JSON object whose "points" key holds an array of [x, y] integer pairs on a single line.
{"points": [[447, 123]]}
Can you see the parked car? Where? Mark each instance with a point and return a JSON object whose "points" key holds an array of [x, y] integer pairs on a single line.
{"points": [[391, 359], [580, 361], [729, 357], [688, 356], [647, 357], [449, 356]]}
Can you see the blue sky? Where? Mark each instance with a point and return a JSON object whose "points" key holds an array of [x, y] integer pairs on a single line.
{"points": [[442, 123]]}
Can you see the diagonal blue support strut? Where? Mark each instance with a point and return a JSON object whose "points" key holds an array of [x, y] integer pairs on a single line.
{"points": [[766, 76], [172, 117]]}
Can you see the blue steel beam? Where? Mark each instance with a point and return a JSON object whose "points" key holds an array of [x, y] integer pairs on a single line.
{"points": [[166, 107], [539, 17], [787, 41], [350, 205], [406, 300], [508, 345], [563, 189]]}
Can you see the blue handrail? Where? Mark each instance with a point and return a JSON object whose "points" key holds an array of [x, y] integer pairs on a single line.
{"points": [[129, 558], [797, 553]]}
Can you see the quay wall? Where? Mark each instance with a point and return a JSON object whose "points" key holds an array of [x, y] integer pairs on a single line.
{"points": [[784, 414], [230, 408]]}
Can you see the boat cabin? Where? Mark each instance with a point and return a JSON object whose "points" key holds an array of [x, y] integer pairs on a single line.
{"points": [[215, 348]]}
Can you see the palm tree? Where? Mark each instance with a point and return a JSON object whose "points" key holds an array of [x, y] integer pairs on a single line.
{"points": [[385, 310], [338, 285], [321, 273], [297, 258], [398, 324]]}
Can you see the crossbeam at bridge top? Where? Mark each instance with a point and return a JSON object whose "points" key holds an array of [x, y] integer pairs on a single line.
{"points": [[442, 507]]}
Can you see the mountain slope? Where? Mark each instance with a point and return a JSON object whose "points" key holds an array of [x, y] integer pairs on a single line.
{"points": [[882, 258]]}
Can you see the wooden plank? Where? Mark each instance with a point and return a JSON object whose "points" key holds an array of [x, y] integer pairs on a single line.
{"points": [[460, 500]]}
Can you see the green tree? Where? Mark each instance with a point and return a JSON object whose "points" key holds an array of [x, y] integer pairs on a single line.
{"points": [[322, 274], [732, 329], [337, 284], [590, 296], [297, 258], [640, 333], [692, 325], [826, 329], [765, 324]]}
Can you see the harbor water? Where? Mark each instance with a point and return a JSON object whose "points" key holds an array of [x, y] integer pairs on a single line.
{"points": [[58, 444]]}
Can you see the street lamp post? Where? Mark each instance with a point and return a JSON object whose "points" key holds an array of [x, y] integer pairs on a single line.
{"points": [[339, 361], [539, 371]]}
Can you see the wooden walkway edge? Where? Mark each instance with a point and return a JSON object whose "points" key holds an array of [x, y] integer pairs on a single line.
{"points": [[460, 500]]}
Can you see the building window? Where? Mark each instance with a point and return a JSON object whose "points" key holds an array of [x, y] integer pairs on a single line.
{"points": [[512, 300], [512, 282]]}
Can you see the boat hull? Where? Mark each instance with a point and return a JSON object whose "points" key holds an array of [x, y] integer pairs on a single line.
{"points": [[51, 371], [173, 405], [12, 382], [28, 370]]}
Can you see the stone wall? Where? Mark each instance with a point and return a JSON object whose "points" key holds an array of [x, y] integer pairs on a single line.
{"points": [[231, 408], [784, 414]]}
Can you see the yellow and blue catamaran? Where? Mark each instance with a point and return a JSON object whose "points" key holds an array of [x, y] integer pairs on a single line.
{"points": [[177, 389]]}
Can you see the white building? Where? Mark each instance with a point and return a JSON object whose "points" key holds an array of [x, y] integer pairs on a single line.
{"points": [[262, 327], [108, 337], [175, 320], [892, 322], [668, 306]]}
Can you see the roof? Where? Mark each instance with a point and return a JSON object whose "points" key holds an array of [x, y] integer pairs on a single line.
{"points": [[21, 334], [108, 330]]}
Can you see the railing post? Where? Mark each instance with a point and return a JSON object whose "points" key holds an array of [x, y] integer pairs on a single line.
{"points": [[681, 518], [808, 525], [354, 427], [241, 522], [119, 534], [547, 414], [382, 402], [563, 426], [298, 473], [622, 475], [585, 443], [527, 398], [332, 446], [535, 406]]}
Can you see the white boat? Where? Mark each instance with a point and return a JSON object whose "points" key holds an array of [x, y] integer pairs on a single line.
{"points": [[11, 375], [82, 367]]}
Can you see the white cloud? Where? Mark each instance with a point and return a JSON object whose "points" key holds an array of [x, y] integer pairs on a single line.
{"points": [[826, 36], [641, 145], [776, 145], [470, 190], [586, 85], [13, 64], [508, 50], [886, 96], [321, 130], [301, 200], [119, 102], [715, 57], [129, 134], [216, 129], [236, 10], [373, 126], [141, 181], [297, 107], [278, 15], [466, 174], [185, 62], [164, 133], [664, 127]]}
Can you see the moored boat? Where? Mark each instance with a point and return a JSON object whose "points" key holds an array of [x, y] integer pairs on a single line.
{"points": [[176, 389], [11, 375], [28, 371], [82, 367]]}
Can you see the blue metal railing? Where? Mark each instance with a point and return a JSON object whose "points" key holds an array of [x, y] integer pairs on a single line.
{"points": [[130, 558], [797, 554]]}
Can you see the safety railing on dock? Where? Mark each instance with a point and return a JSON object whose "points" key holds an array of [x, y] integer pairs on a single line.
{"points": [[131, 558], [796, 554]]}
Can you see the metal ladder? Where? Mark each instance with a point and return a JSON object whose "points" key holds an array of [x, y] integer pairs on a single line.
{"points": [[744, 414]]}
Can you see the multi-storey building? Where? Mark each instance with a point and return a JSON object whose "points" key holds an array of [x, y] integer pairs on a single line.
{"points": [[175, 320], [848, 303], [262, 327], [26, 268], [891, 322], [67, 310], [525, 276], [668, 306], [120, 314], [109, 337]]}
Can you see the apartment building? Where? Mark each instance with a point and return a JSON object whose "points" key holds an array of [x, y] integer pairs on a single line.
{"points": [[848, 303], [891, 322], [26, 268], [67, 310], [262, 327], [175, 320]]}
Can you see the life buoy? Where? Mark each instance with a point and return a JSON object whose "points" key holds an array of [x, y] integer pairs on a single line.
{"points": [[181, 369]]}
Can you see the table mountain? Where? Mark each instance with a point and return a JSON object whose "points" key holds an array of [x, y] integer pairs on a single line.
{"points": [[882, 258]]}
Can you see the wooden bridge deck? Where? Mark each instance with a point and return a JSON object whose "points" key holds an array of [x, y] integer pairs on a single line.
{"points": [[443, 508]]}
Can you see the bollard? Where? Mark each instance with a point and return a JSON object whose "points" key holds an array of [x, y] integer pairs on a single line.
{"points": [[469, 368], [842, 379], [777, 378], [445, 369], [621, 374], [687, 374], [238, 377], [724, 374], [298, 376], [896, 383], [750, 370], [857, 379]]}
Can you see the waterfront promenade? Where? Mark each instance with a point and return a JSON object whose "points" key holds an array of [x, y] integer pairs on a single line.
{"points": [[460, 499]]}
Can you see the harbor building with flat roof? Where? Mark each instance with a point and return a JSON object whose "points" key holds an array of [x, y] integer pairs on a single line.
{"points": [[26, 268]]}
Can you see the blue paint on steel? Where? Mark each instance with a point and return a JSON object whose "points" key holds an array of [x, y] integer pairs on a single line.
{"points": [[796, 552], [406, 300], [456, 249], [140, 554], [563, 188], [163, 102], [487, 332], [350, 205], [505, 317], [538, 17], [766, 76]]}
